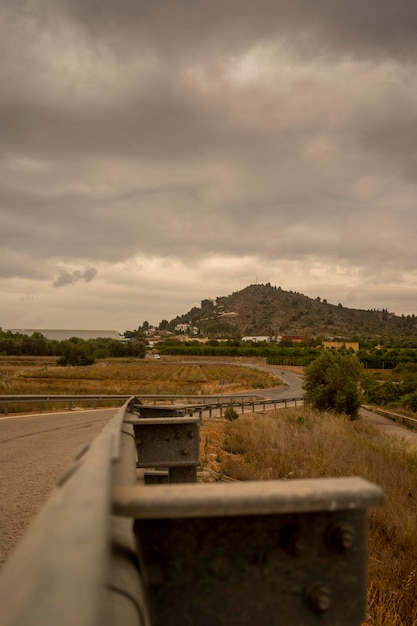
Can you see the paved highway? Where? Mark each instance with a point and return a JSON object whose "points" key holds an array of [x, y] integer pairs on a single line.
{"points": [[34, 451]]}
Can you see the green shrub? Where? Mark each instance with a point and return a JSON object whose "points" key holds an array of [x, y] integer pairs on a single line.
{"points": [[409, 401], [230, 413], [332, 383]]}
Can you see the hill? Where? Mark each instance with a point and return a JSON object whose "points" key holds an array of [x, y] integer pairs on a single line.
{"points": [[268, 310]]}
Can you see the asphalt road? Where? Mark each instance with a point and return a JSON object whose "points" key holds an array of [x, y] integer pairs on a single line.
{"points": [[293, 384], [388, 426], [34, 452]]}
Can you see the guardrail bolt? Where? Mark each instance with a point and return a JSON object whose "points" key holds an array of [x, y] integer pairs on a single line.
{"points": [[296, 544], [190, 434], [319, 598], [341, 536]]}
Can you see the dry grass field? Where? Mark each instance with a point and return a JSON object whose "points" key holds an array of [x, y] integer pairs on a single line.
{"points": [[41, 375], [299, 443]]}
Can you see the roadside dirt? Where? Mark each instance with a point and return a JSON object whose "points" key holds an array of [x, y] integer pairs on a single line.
{"points": [[212, 435]]}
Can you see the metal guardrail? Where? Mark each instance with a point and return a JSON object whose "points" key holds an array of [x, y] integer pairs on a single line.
{"points": [[200, 404], [397, 417], [108, 549], [255, 404], [42, 399]]}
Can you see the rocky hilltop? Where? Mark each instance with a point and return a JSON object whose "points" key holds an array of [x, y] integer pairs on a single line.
{"points": [[269, 310]]}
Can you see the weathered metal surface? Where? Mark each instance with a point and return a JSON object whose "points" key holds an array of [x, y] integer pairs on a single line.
{"points": [[77, 565], [247, 498], [167, 442], [182, 474], [156, 477], [126, 600], [270, 553], [268, 570], [149, 411]]}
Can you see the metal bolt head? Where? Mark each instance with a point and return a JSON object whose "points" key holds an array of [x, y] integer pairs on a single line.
{"points": [[296, 544], [319, 598], [341, 536]]}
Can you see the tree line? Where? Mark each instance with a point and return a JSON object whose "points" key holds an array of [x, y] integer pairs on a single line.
{"points": [[73, 351], [288, 353]]}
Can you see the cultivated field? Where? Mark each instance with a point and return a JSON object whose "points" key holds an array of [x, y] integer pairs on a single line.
{"points": [[41, 375]]}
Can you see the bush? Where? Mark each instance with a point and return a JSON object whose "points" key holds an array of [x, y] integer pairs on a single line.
{"points": [[409, 401], [76, 354], [332, 383], [230, 413]]}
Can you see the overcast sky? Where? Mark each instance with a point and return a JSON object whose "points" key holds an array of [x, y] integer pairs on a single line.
{"points": [[155, 153]]}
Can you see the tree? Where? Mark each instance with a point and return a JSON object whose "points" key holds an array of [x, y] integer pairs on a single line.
{"points": [[332, 383], [76, 353]]}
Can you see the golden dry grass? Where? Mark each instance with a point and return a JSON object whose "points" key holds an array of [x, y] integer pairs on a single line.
{"points": [[300, 443], [128, 377]]}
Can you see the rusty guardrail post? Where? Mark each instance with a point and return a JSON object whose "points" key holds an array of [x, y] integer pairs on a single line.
{"points": [[273, 552], [165, 438]]}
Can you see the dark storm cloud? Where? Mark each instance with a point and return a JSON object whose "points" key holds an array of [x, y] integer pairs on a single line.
{"points": [[69, 278], [358, 28], [188, 130]]}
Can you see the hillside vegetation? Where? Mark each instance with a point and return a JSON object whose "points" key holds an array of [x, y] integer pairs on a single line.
{"points": [[271, 311]]}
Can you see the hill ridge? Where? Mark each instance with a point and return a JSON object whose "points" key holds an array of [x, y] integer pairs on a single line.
{"points": [[266, 310]]}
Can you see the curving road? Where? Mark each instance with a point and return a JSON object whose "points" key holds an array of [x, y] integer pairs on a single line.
{"points": [[293, 384]]}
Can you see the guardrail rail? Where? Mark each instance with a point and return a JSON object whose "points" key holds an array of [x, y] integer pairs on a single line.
{"points": [[112, 548], [200, 404]]}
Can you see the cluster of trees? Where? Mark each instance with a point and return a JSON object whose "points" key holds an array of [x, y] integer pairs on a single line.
{"points": [[74, 351], [236, 347], [287, 352], [336, 382], [386, 357], [399, 389]]}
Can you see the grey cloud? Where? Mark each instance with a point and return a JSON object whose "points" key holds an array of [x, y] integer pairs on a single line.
{"points": [[376, 27], [181, 129], [68, 278], [18, 264]]}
